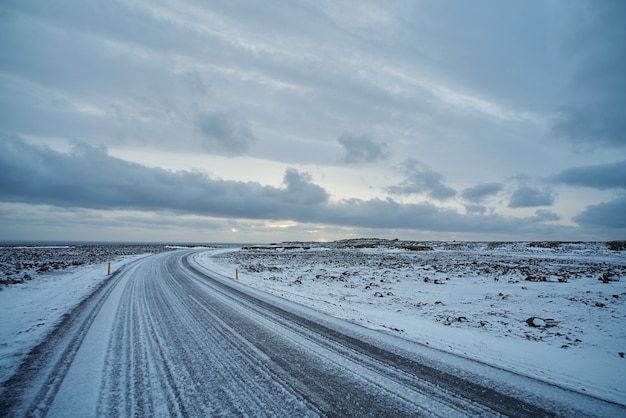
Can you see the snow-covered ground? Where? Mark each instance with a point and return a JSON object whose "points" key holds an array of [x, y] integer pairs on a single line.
{"points": [[41, 284], [554, 311], [548, 310]]}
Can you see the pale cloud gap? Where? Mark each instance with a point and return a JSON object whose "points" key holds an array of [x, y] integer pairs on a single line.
{"points": [[419, 178], [362, 149], [89, 178]]}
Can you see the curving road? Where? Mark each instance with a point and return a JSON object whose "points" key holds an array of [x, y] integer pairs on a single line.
{"points": [[165, 337]]}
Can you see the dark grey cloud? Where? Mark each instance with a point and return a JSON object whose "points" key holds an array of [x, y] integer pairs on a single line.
{"points": [[89, 178], [609, 214], [388, 213], [421, 179], [301, 189], [527, 197], [475, 208], [593, 112], [587, 127], [546, 215], [601, 176], [362, 149], [480, 192], [225, 133]]}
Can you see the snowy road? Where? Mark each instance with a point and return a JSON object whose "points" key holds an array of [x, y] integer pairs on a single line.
{"points": [[165, 337]]}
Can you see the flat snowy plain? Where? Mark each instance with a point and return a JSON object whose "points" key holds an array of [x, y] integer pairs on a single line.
{"points": [[552, 311]]}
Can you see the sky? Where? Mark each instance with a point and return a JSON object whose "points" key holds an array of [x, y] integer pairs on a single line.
{"points": [[312, 120]]}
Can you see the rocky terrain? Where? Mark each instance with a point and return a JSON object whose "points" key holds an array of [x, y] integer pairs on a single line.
{"points": [[537, 291], [20, 263]]}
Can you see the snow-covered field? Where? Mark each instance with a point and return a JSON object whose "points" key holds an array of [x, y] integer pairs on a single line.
{"points": [[554, 311], [41, 284]]}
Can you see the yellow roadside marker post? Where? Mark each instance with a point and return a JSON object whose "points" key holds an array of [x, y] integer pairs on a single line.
{"points": [[236, 274], [109, 270]]}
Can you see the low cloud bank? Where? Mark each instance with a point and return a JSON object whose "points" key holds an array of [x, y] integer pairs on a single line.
{"points": [[601, 176], [88, 177]]}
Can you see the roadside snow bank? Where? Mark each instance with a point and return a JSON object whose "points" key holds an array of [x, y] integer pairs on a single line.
{"points": [[554, 312]]}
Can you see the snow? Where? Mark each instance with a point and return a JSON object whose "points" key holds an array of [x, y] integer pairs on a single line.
{"points": [[29, 311], [551, 312], [88, 364], [539, 309]]}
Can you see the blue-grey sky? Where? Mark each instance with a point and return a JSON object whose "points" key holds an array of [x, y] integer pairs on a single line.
{"points": [[247, 121]]}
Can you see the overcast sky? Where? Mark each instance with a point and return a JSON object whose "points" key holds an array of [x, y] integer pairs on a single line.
{"points": [[265, 121]]}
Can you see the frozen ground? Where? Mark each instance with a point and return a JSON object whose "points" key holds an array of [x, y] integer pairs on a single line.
{"points": [[40, 284], [21, 263], [554, 311]]}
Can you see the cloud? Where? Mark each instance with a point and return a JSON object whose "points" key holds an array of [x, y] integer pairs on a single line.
{"points": [[301, 190], [362, 149], [546, 215], [607, 214], [525, 197], [388, 213], [225, 133], [602, 176], [275, 81], [593, 112], [475, 208], [480, 192], [421, 179], [585, 124], [89, 178]]}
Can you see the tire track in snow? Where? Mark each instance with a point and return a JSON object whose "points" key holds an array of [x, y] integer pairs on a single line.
{"points": [[180, 361], [386, 376], [378, 384]]}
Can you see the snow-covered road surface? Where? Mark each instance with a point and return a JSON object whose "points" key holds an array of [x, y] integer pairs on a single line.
{"points": [[166, 337]]}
